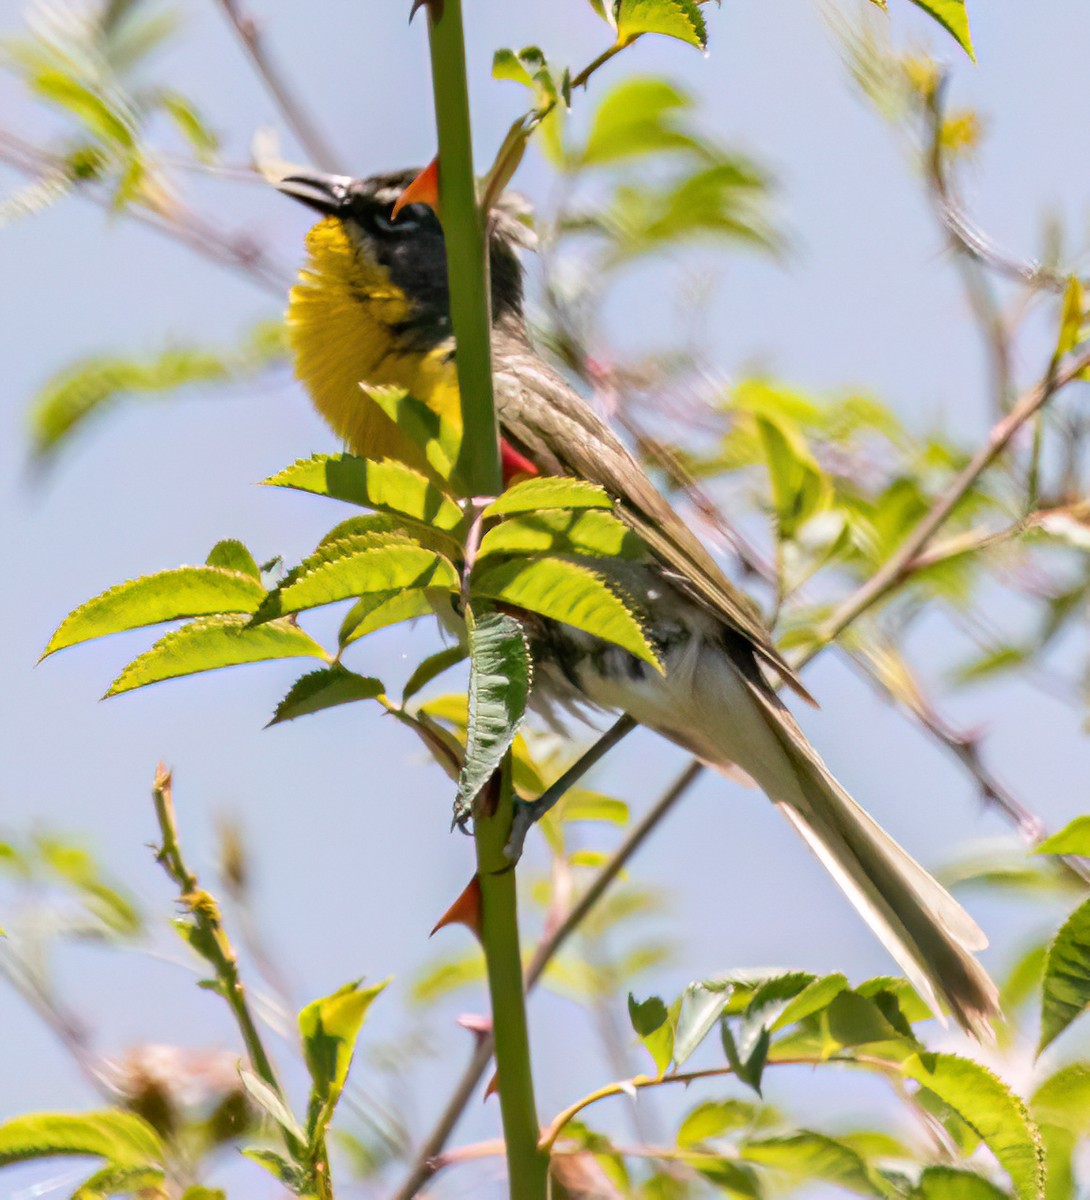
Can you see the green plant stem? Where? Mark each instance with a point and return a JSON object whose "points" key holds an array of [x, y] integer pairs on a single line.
{"points": [[212, 942], [527, 1164], [479, 466], [467, 262]]}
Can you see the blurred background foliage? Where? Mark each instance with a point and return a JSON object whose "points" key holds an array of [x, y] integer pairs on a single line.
{"points": [[807, 496]]}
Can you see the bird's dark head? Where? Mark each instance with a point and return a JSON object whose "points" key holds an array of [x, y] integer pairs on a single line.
{"points": [[406, 243]]}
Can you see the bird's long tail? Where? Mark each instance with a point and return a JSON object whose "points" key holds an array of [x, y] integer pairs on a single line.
{"points": [[729, 716]]}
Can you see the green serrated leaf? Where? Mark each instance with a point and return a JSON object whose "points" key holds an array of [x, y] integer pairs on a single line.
{"points": [[358, 566], [231, 555], [431, 668], [953, 17], [378, 610], [152, 599], [548, 491], [386, 485], [589, 532], [679, 19], [1074, 838], [438, 438], [567, 592], [210, 643], [329, 1028], [328, 687], [499, 687], [714, 1118], [122, 1138], [991, 1110], [1065, 990]]}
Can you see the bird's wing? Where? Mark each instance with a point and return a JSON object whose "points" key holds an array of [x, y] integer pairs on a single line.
{"points": [[561, 433]]}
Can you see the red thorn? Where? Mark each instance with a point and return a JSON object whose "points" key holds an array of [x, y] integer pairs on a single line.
{"points": [[424, 189], [493, 1088], [513, 464], [466, 910]]}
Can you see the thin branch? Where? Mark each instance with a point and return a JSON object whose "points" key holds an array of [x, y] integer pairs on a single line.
{"points": [[899, 566], [966, 235], [210, 939], [238, 253], [310, 138]]}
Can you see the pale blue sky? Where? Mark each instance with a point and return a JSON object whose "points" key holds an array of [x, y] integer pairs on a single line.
{"points": [[347, 823]]}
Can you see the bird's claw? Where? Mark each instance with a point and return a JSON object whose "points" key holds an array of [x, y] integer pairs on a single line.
{"points": [[526, 813]]}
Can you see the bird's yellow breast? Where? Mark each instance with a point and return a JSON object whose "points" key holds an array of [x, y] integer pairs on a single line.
{"points": [[342, 326]]}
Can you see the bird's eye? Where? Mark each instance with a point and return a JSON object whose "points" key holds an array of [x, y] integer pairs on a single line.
{"points": [[408, 220]]}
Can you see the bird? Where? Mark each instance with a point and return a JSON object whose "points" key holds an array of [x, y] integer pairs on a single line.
{"points": [[371, 307]]}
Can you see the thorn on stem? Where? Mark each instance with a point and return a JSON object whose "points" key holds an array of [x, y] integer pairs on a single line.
{"points": [[466, 910], [424, 189]]}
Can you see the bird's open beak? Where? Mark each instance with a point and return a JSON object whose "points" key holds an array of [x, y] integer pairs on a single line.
{"points": [[329, 194]]}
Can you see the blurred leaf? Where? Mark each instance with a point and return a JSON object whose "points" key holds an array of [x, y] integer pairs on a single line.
{"points": [[279, 1167], [810, 1156], [1071, 318], [679, 19], [855, 1020], [589, 532], [190, 124], [431, 668], [991, 663], [329, 1028], [122, 1138], [213, 642], [635, 118], [798, 484], [951, 15], [386, 485], [325, 688], [448, 975], [991, 1109], [75, 865], [92, 386], [499, 687], [1065, 992], [1023, 979], [356, 566], [204, 1193], [948, 1183], [271, 1104], [166, 596], [1061, 1106], [547, 492], [714, 1118], [121, 1181], [1074, 838], [567, 592], [578, 804]]}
